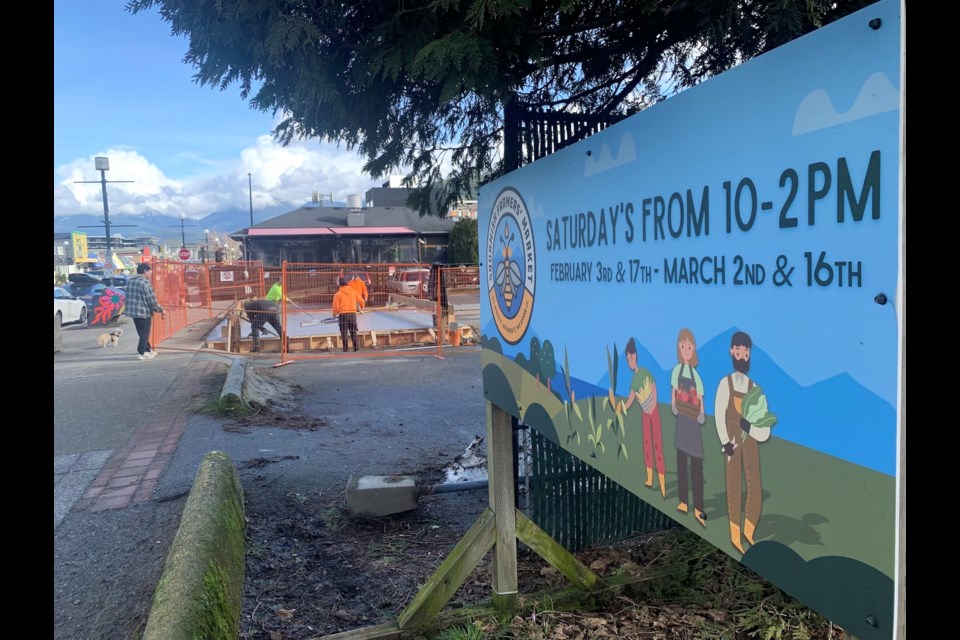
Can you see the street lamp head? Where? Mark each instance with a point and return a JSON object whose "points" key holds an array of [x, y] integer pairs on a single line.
{"points": [[183, 215], [101, 163], [206, 230]]}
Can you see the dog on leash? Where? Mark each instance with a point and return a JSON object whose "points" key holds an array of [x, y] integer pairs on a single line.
{"points": [[111, 339]]}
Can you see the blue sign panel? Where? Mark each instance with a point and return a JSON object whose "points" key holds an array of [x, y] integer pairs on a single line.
{"points": [[703, 302]]}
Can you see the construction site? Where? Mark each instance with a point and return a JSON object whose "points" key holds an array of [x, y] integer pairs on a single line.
{"points": [[437, 309]]}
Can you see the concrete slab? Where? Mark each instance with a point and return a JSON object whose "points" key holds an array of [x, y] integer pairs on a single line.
{"points": [[377, 496]]}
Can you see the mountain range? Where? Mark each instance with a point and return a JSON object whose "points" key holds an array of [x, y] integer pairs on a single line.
{"points": [[837, 416], [167, 228]]}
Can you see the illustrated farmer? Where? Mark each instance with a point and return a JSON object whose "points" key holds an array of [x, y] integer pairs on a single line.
{"points": [[743, 422], [643, 390]]}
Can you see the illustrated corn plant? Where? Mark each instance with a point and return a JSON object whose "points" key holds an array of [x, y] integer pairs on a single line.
{"points": [[613, 363], [567, 404], [596, 428]]}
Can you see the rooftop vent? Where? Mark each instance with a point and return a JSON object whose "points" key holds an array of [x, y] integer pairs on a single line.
{"points": [[355, 219]]}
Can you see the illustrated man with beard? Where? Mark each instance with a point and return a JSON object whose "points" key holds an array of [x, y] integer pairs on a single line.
{"points": [[740, 442]]}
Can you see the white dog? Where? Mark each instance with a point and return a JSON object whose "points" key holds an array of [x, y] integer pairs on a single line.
{"points": [[111, 339]]}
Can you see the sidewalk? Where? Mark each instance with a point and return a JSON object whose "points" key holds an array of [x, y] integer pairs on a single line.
{"points": [[128, 442]]}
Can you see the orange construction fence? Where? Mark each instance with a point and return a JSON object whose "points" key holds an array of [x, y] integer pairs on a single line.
{"points": [[191, 292], [414, 307]]}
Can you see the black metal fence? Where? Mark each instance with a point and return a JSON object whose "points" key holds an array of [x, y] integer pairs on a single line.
{"points": [[577, 505]]}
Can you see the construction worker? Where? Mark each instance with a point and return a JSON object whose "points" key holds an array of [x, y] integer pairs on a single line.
{"points": [[260, 313], [346, 303], [358, 285], [275, 294]]}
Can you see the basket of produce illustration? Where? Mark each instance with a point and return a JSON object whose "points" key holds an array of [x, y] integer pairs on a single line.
{"points": [[688, 402], [646, 397]]}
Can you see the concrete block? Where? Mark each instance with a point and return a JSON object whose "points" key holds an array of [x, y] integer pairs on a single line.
{"points": [[376, 496]]}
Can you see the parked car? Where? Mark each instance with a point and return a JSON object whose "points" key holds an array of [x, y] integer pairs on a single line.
{"points": [[71, 309], [410, 282], [104, 302]]}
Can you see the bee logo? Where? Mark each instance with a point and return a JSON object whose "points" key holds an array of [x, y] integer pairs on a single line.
{"points": [[507, 277], [511, 265]]}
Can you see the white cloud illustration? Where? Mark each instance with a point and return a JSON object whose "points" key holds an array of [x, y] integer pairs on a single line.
{"points": [[604, 160], [816, 110]]}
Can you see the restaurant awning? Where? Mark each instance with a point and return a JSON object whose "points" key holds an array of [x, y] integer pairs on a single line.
{"points": [[373, 231], [292, 231]]}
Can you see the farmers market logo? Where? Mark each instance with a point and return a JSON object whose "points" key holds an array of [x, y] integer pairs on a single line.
{"points": [[511, 265]]}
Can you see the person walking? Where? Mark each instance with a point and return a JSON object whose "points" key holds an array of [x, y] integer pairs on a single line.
{"points": [[346, 303], [141, 304]]}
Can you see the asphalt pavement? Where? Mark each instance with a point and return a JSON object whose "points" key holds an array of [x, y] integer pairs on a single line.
{"points": [[128, 441]]}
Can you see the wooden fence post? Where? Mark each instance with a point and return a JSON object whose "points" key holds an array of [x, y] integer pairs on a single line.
{"points": [[500, 472]]}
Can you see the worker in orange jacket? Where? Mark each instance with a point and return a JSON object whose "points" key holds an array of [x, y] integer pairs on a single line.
{"points": [[346, 303], [358, 285]]}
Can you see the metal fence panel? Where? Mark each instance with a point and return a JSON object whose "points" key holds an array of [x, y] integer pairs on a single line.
{"points": [[580, 507]]}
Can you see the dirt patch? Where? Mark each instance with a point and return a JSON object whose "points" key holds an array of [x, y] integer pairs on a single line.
{"points": [[276, 421], [311, 572]]}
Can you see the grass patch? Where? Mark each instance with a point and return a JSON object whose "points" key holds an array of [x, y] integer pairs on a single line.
{"points": [[333, 518], [462, 632], [226, 409]]}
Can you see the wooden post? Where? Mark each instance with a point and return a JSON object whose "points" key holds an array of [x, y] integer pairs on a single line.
{"points": [[500, 473]]}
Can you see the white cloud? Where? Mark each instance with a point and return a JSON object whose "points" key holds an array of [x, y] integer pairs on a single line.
{"points": [[279, 175], [816, 110], [604, 160]]}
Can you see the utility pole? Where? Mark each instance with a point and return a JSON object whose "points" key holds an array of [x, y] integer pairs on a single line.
{"points": [[246, 244], [102, 165], [183, 233]]}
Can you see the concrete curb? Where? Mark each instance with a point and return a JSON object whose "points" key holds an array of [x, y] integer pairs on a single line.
{"points": [[231, 397], [200, 593]]}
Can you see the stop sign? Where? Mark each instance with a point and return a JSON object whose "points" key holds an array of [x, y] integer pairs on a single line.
{"points": [[184, 254]]}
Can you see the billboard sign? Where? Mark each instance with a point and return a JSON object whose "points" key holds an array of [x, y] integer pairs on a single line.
{"points": [[704, 302]]}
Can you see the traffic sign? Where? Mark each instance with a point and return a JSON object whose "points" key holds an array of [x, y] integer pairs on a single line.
{"points": [[184, 254]]}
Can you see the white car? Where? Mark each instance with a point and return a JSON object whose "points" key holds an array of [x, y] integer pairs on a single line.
{"points": [[69, 308], [410, 282]]}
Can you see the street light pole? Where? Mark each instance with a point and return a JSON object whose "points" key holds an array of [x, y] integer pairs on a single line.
{"points": [[250, 190], [183, 235], [206, 244], [102, 164]]}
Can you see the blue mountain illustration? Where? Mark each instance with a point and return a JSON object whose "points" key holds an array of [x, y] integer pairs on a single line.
{"points": [[836, 416]]}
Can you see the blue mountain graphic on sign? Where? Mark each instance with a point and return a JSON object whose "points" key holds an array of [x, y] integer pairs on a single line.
{"points": [[837, 416]]}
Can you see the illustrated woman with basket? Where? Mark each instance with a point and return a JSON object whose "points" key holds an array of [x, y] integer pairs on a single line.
{"points": [[686, 403], [643, 389]]}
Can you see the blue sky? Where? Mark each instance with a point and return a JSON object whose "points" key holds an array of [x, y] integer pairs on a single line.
{"points": [[121, 90]]}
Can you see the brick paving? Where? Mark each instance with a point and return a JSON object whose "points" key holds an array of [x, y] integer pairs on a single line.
{"points": [[131, 474]]}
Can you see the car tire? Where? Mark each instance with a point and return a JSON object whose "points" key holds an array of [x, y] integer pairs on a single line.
{"points": [[57, 333], [83, 315]]}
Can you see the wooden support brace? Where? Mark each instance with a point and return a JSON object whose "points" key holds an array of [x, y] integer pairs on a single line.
{"points": [[456, 567], [553, 552], [498, 528]]}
